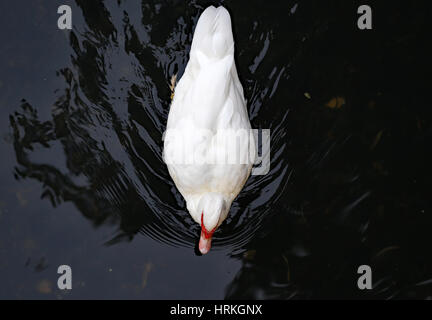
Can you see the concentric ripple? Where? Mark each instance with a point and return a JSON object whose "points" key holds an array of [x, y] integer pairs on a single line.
{"points": [[111, 113]]}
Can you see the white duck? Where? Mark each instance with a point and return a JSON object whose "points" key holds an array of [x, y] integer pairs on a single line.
{"points": [[207, 116]]}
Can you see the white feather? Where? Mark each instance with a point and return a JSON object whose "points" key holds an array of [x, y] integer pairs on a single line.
{"points": [[208, 104]]}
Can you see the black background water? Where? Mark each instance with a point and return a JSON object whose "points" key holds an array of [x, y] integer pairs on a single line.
{"points": [[83, 182]]}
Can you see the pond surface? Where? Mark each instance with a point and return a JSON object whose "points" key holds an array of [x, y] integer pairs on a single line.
{"points": [[83, 183]]}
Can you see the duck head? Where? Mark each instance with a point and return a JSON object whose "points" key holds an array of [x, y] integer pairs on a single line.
{"points": [[212, 209]]}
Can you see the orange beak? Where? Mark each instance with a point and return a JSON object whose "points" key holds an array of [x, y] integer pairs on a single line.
{"points": [[205, 238], [204, 243]]}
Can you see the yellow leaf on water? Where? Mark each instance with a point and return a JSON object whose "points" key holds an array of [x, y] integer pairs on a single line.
{"points": [[377, 139], [172, 84], [44, 287], [336, 102], [22, 200], [249, 255], [148, 267]]}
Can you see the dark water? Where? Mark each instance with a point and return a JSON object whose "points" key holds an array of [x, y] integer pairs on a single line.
{"points": [[83, 182]]}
